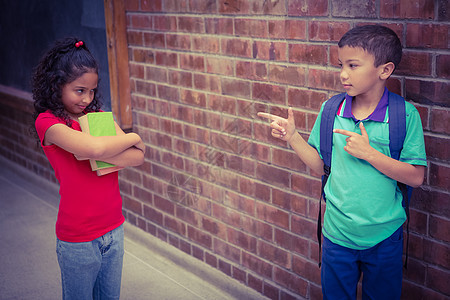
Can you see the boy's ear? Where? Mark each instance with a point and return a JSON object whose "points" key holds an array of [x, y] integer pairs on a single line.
{"points": [[386, 70]]}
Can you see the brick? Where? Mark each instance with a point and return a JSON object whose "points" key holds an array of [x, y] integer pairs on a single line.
{"points": [[306, 269], [308, 54], [203, 7], [407, 9], [137, 71], [179, 78], [291, 281], [216, 65], [307, 228], [288, 159], [241, 240], [138, 21], [440, 121], [175, 225], [209, 83], [272, 215], [251, 28], [443, 10], [131, 5], [200, 237], [287, 74], [251, 70], [442, 63], [193, 98], [259, 228], [155, 74], [327, 31], [226, 250], [177, 42], [206, 44], [287, 29], [257, 265], [306, 99], [269, 92], [324, 79], [151, 5], [133, 205], [274, 254], [416, 271], [192, 62], [292, 243], [236, 47], [440, 228], [219, 26], [251, 7], [145, 88], [265, 50], [427, 92], [273, 175], [237, 88], [439, 176], [427, 36], [307, 8], [357, 9], [166, 59], [306, 186], [164, 23], [437, 279], [191, 24], [152, 214], [143, 56], [176, 5]]}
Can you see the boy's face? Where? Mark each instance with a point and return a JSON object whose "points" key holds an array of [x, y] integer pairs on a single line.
{"points": [[359, 75]]}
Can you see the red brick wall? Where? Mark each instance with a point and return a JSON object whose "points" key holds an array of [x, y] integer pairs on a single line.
{"points": [[216, 184]]}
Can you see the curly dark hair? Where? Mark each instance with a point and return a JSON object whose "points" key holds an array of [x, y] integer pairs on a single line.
{"points": [[61, 65]]}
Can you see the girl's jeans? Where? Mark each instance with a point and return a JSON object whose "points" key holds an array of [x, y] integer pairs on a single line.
{"points": [[381, 266], [92, 270]]}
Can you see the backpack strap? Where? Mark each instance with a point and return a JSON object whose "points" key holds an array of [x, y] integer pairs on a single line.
{"points": [[397, 134], [326, 146]]}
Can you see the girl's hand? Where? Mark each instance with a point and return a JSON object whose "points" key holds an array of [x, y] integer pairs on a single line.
{"points": [[282, 128], [80, 158], [140, 146]]}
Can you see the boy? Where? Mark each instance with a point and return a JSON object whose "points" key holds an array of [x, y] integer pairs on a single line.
{"points": [[364, 215]]}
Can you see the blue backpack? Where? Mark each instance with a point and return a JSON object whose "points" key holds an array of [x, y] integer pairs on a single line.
{"points": [[397, 133]]}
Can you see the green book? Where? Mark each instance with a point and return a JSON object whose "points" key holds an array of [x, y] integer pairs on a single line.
{"points": [[98, 124]]}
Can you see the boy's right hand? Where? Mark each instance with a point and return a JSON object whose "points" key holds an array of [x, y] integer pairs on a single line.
{"points": [[282, 128]]}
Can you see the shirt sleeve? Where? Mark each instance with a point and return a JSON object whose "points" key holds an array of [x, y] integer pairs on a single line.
{"points": [[314, 137], [43, 122], [413, 151]]}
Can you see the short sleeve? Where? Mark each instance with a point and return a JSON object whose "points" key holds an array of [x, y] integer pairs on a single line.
{"points": [[413, 151], [314, 137], [43, 122]]}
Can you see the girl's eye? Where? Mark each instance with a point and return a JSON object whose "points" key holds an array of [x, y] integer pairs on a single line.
{"points": [[353, 66], [340, 65], [80, 91]]}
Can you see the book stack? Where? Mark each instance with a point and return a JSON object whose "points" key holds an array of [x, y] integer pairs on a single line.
{"points": [[99, 124]]}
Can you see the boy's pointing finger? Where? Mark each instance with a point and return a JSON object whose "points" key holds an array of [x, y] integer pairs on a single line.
{"points": [[268, 116], [344, 132]]}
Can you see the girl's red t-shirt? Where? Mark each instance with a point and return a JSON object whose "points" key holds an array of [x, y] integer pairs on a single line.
{"points": [[90, 205]]}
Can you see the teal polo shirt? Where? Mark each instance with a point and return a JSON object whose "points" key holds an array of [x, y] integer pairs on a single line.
{"points": [[364, 206]]}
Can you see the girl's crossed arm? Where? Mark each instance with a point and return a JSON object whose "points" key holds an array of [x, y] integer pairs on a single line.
{"points": [[123, 149], [284, 129]]}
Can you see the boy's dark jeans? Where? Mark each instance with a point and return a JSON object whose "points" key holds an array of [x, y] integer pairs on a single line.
{"points": [[381, 266]]}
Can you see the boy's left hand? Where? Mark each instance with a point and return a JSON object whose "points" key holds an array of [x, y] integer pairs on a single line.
{"points": [[357, 144]]}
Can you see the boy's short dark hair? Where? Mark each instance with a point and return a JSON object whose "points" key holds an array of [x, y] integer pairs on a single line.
{"points": [[377, 40]]}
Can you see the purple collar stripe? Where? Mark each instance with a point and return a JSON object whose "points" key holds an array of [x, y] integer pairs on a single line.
{"points": [[378, 115]]}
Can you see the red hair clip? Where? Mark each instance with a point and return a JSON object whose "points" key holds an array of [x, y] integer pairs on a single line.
{"points": [[79, 44]]}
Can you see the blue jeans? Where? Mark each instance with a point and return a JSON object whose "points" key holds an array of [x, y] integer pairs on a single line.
{"points": [[381, 266], [92, 270]]}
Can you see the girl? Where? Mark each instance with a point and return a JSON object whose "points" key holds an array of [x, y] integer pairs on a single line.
{"points": [[89, 227]]}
